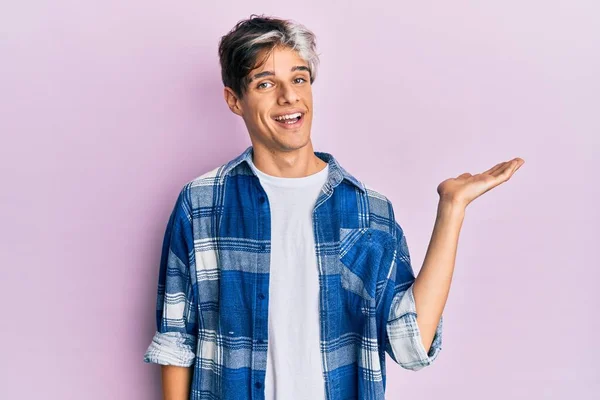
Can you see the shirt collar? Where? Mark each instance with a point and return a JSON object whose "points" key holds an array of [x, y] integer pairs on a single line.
{"points": [[335, 176]]}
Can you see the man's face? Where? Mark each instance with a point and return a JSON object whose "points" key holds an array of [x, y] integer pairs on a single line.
{"points": [[280, 87]]}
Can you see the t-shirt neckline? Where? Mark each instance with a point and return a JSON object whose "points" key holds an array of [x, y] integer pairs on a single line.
{"points": [[302, 181]]}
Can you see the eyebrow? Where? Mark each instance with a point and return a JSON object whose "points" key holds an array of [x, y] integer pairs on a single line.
{"points": [[271, 73]]}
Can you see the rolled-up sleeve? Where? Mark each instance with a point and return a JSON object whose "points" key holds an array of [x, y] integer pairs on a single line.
{"points": [[403, 338], [175, 339]]}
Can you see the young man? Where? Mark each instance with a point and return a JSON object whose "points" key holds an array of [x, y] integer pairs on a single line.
{"points": [[283, 276]]}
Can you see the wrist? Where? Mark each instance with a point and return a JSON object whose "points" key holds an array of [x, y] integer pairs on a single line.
{"points": [[451, 207]]}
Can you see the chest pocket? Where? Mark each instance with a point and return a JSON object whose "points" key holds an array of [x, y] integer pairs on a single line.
{"points": [[365, 255]]}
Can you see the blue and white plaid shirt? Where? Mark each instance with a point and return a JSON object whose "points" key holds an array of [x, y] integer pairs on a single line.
{"points": [[213, 287]]}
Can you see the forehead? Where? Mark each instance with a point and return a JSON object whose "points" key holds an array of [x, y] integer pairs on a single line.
{"points": [[279, 60]]}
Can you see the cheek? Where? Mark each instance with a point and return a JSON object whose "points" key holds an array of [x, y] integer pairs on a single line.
{"points": [[264, 119], [308, 94]]}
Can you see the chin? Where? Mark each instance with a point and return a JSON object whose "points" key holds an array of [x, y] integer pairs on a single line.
{"points": [[290, 145]]}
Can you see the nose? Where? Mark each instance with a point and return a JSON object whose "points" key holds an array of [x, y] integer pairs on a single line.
{"points": [[288, 94]]}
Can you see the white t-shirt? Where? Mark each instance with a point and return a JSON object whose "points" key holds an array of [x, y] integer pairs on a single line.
{"points": [[294, 368]]}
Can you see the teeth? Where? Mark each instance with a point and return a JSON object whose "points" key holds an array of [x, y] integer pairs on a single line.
{"points": [[289, 116]]}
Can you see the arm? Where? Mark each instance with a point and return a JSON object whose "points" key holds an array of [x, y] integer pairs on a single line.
{"points": [[173, 345], [176, 382], [432, 285], [413, 307]]}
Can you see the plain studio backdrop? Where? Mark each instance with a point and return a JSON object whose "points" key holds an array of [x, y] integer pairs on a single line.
{"points": [[108, 107]]}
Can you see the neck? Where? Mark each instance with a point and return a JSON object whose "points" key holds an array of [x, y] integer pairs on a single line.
{"points": [[295, 163]]}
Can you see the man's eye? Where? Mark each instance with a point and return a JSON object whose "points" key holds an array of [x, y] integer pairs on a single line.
{"points": [[260, 85], [301, 78]]}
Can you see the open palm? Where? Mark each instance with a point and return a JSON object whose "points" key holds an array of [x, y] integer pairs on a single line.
{"points": [[466, 187]]}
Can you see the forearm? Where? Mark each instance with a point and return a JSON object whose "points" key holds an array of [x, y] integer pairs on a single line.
{"points": [[176, 382], [432, 285]]}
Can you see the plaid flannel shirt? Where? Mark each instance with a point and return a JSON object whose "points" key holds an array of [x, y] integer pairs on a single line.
{"points": [[213, 286]]}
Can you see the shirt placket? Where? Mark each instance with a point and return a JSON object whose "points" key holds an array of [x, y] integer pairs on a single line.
{"points": [[323, 290], [261, 300]]}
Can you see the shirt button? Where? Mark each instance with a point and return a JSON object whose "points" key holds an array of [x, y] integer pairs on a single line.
{"points": [[258, 385], [261, 199], [261, 296], [263, 246]]}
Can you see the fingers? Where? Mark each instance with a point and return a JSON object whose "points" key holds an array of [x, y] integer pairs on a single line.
{"points": [[508, 168], [519, 164], [494, 168], [497, 170], [503, 172]]}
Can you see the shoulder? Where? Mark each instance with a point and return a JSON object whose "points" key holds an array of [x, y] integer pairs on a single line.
{"points": [[199, 191], [208, 178]]}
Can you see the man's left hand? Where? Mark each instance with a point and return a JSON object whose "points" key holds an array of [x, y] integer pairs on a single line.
{"points": [[465, 188]]}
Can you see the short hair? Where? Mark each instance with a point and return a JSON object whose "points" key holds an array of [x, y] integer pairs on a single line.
{"points": [[250, 38]]}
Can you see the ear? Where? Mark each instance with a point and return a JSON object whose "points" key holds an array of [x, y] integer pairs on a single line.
{"points": [[232, 101]]}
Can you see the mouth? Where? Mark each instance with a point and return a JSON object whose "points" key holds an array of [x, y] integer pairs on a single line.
{"points": [[292, 121]]}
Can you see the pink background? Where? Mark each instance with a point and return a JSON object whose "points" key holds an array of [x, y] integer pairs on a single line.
{"points": [[107, 108]]}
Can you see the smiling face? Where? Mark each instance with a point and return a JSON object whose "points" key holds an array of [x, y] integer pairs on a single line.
{"points": [[277, 106]]}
